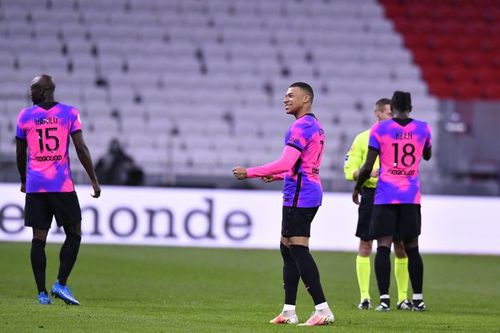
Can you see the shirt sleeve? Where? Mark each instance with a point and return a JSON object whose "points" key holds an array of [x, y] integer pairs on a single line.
{"points": [[76, 124], [279, 176], [428, 140], [353, 159], [285, 163], [373, 141], [20, 132], [298, 136]]}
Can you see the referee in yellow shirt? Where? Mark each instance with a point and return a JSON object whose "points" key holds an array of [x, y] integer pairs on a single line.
{"points": [[354, 159]]}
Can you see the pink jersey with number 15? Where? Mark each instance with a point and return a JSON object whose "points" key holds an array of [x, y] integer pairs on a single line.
{"points": [[47, 133]]}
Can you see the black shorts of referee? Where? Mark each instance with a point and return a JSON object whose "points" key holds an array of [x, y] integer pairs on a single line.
{"points": [[365, 209]]}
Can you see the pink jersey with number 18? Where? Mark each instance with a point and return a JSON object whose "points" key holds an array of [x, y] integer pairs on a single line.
{"points": [[400, 146]]}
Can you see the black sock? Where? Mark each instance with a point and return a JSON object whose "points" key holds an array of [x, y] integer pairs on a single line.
{"points": [[415, 269], [38, 263], [291, 275], [309, 272], [67, 256], [383, 269]]}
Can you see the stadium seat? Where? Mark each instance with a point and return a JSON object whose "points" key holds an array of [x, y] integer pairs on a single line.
{"points": [[453, 36], [194, 69]]}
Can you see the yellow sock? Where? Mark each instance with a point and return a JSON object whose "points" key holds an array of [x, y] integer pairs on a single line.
{"points": [[363, 271], [402, 278]]}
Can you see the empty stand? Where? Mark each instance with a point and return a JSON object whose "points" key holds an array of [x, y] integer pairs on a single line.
{"points": [[454, 42], [193, 88]]}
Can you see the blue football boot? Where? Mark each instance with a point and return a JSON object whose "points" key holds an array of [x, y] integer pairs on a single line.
{"points": [[63, 292], [43, 298]]}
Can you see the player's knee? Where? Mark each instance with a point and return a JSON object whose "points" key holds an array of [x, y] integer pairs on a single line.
{"points": [[410, 244], [285, 253], [73, 230], [300, 241], [75, 237], [400, 253], [40, 234], [399, 250], [365, 248]]}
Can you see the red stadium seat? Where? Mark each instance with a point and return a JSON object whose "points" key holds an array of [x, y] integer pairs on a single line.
{"points": [[424, 56], [459, 73], [476, 59], [441, 89], [433, 72], [492, 91], [486, 76], [450, 58], [468, 91], [455, 43]]}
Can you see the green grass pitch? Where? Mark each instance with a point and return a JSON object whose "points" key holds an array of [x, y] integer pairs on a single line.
{"points": [[152, 289]]}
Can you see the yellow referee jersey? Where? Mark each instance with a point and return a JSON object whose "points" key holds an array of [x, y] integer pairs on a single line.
{"points": [[356, 157]]}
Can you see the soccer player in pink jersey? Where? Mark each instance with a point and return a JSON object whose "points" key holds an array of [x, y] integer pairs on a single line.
{"points": [[302, 195], [401, 142], [354, 160], [42, 141]]}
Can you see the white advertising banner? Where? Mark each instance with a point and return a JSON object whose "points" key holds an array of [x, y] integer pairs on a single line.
{"points": [[248, 219]]}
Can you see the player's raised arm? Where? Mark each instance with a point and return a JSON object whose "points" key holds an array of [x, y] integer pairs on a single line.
{"points": [[284, 163], [84, 156]]}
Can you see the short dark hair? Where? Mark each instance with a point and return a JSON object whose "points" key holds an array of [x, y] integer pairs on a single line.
{"points": [[45, 82], [304, 86], [401, 101], [383, 101]]}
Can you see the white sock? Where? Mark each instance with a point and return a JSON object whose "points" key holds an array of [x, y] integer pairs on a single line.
{"points": [[289, 307], [418, 297], [321, 306]]}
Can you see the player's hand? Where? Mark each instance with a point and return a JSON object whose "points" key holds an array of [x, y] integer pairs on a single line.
{"points": [[240, 172], [23, 187], [374, 173], [267, 179], [97, 189], [355, 196]]}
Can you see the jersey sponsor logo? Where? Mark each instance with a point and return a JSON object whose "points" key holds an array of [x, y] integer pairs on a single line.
{"points": [[400, 172], [49, 158]]}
